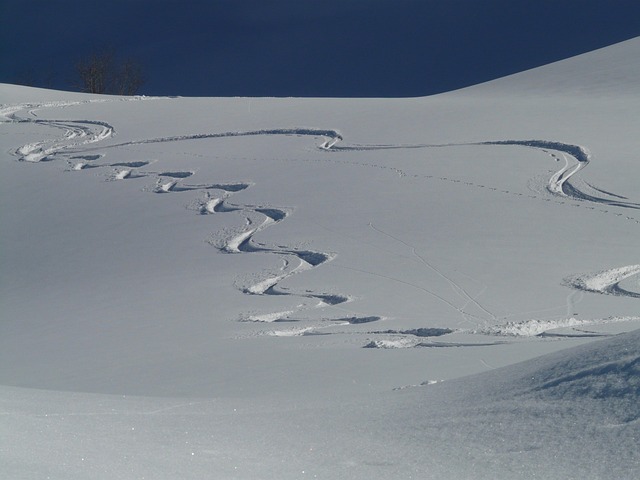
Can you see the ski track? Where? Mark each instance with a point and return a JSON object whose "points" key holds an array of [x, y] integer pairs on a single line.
{"points": [[544, 328], [90, 131], [606, 282], [563, 183], [77, 133], [79, 137], [456, 287]]}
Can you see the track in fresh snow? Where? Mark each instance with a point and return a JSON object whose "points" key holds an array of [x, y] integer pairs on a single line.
{"points": [[607, 281], [331, 137], [76, 140], [81, 136], [77, 133], [576, 158], [294, 261]]}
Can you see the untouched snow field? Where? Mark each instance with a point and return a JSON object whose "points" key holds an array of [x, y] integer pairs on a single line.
{"points": [[244, 288]]}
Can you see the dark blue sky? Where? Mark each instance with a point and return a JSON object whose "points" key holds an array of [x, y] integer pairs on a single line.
{"points": [[340, 48]]}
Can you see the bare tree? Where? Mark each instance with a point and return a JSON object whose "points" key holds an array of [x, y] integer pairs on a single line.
{"points": [[129, 78], [95, 72], [101, 73]]}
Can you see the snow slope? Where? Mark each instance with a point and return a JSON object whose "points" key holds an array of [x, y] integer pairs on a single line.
{"points": [[188, 285]]}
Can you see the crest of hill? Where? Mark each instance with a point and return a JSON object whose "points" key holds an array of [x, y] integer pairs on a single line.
{"points": [[609, 71]]}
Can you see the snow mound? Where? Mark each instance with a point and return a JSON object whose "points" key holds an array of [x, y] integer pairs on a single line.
{"points": [[570, 414], [598, 382], [605, 374]]}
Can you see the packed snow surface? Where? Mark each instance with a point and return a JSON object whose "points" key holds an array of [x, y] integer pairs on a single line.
{"points": [[244, 288]]}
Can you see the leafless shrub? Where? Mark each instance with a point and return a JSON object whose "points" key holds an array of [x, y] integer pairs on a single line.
{"points": [[101, 73]]}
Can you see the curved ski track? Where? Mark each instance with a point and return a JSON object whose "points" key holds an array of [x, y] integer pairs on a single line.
{"points": [[257, 218], [607, 281], [80, 135]]}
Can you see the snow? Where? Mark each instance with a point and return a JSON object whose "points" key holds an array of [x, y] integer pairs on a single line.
{"points": [[606, 281], [208, 312]]}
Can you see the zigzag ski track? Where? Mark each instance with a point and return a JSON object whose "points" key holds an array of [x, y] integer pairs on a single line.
{"points": [[81, 137]]}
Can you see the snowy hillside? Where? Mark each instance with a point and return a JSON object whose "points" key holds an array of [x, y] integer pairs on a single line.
{"points": [[326, 288]]}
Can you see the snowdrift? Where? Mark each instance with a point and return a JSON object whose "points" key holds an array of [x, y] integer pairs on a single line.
{"points": [[564, 415]]}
